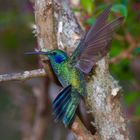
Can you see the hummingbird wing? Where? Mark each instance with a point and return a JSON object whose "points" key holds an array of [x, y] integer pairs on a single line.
{"points": [[95, 45], [100, 22]]}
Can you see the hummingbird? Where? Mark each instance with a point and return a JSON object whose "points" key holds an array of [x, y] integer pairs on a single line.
{"points": [[71, 71]]}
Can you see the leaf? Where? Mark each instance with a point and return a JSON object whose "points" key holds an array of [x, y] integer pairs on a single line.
{"points": [[131, 97], [125, 2], [137, 112], [137, 50], [91, 21], [122, 70], [88, 5], [120, 8], [116, 48]]}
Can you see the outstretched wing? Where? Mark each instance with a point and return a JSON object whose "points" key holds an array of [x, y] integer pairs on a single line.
{"points": [[100, 22], [96, 43]]}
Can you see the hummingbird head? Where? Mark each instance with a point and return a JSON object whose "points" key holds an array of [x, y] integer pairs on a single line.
{"points": [[55, 56]]}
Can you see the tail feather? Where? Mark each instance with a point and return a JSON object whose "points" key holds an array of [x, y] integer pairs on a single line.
{"points": [[57, 107], [61, 102], [61, 95], [71, 109], [61, 113], [65, 105]]}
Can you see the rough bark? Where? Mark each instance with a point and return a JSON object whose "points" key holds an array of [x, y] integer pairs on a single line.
{"points": [[104, 103]]}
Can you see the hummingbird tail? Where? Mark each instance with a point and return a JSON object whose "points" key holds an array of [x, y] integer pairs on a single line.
{"points": [[61, 102], [65, 105], [71, 109]]}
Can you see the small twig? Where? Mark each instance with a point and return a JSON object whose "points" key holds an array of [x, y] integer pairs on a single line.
{"points": [[127, 53], [22, 76]]}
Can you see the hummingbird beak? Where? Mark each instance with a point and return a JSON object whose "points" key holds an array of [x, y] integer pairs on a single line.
{"points": [[30, 53]]}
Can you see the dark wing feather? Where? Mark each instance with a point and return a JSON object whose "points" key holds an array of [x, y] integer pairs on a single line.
{"points": [[100, 22], [95, 47]]}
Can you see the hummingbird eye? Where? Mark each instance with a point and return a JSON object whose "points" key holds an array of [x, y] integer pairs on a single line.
{"points": [[54, 53]]}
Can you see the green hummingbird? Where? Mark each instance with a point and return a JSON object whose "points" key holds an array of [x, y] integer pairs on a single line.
{"points": [[70, 71]]}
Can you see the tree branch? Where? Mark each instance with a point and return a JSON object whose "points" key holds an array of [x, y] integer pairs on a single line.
{"points": [[81, 132], [104, 103], [22, 76], [56, 18]]}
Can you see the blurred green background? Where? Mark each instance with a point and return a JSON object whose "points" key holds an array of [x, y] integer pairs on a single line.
{"points": [[16, 37]]}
